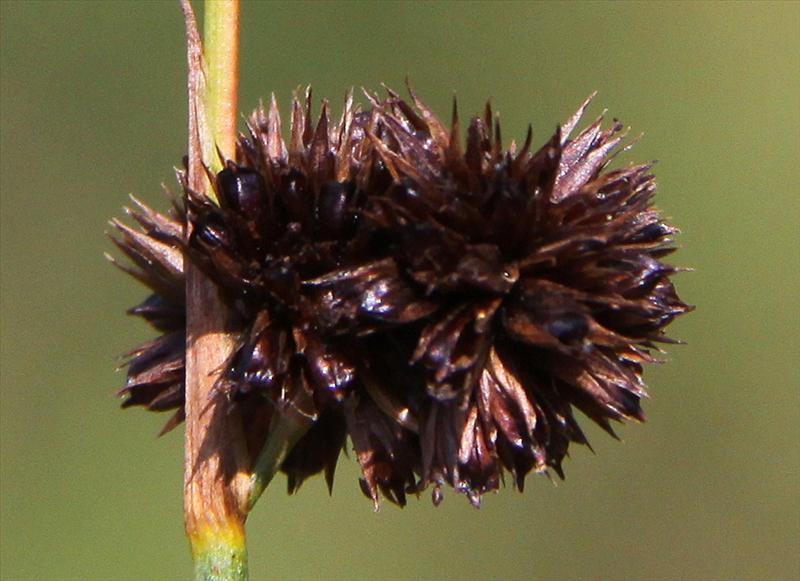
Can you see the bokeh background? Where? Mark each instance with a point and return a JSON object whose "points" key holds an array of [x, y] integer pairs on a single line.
{"points": [[93, 108]]}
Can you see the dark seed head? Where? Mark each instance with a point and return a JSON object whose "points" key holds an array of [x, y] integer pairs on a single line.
{"points": [[446, 305]]}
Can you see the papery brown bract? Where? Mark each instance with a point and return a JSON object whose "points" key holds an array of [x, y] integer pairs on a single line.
{"points": [[447, 307], [156, 369]]}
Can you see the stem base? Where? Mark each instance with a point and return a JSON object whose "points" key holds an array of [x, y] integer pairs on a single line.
{"points": [[220, 554]]}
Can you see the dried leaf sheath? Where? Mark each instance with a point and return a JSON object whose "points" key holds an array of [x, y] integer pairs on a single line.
{"points": [[445, 304]]}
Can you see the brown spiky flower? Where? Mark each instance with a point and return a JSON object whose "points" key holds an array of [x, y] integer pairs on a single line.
{"points": [[447, 307]]}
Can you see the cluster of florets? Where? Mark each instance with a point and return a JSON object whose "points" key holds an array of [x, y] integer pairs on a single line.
{"points": [[446, 306]]}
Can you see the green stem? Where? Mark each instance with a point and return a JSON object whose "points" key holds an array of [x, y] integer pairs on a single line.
{"points": [[284, 434], [221, 40], [214, 504], [219, 554]]}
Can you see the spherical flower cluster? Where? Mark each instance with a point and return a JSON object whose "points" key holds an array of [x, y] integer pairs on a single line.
{"points": [[447, 303]]}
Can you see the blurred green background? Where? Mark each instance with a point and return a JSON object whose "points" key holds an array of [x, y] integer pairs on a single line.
{"points": [[93, 107]]}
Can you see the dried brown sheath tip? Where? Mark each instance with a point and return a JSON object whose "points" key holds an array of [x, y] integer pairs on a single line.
{"points": [[445, 305]]}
